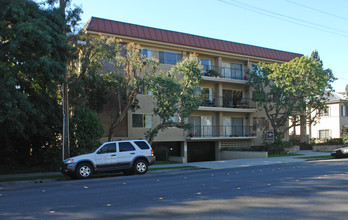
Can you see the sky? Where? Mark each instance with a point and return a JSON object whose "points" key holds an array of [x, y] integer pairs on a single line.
{"points": [[299, 26]]}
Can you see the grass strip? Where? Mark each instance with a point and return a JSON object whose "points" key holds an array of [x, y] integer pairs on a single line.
{"points": [[316, 157], [164, 162], [283, 155]]}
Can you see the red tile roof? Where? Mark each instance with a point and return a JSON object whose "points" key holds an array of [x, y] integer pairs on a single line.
{"points": [[155, 34]]}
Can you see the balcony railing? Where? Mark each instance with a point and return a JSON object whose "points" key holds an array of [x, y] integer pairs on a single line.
{"points": [[231, 73], [224, 72], [221, 131], [232, 102], [209, 70]]}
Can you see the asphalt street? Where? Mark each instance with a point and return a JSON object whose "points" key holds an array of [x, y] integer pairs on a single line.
{"points": [[302, 190]]}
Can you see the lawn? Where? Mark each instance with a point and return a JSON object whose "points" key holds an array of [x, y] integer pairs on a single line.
{"points": [[316, 157], [283, 155]]}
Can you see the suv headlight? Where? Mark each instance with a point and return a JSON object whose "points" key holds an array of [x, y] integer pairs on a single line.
{"points": [[69, 161]]}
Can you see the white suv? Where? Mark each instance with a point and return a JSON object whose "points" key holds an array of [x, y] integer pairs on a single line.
{"points": [[129, 156]]}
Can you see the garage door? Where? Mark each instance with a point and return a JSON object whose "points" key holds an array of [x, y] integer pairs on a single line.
{"points": [[201, 151]]}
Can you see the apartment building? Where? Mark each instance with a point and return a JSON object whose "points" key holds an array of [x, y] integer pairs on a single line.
{"points": [[334, 120], [227, 118]]}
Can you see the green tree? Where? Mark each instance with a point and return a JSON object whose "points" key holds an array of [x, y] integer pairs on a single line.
{"points": [[127, 80], [88, 88], [291, 88], [175, 94], [85, 131], [88, 85], [31, 67]]}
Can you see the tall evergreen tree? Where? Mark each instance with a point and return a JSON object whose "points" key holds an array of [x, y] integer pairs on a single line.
{"points": [[32, 51]]}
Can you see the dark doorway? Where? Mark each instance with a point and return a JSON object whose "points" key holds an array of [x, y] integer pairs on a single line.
{"points": [[201, 151], [163, 150]]}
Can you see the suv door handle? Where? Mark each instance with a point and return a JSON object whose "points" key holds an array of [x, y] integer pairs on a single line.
{"points": [[132, 153], [113, 155]]}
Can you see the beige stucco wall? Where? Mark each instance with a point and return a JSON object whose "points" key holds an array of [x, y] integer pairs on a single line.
{"points": [[229, 155], [146, 102]]}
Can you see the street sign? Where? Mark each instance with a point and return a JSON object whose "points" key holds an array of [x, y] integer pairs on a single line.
{"points": [[270, 137]]}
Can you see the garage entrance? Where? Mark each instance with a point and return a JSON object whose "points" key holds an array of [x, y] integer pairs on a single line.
{"points": [[200, 151]]}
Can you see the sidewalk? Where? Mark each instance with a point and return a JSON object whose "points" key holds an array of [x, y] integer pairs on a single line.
{"points": [[249, 162], [203, 165]]}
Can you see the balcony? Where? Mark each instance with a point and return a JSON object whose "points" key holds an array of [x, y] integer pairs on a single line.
{"points": [[231, 102], [224, 72], [221, 132]]}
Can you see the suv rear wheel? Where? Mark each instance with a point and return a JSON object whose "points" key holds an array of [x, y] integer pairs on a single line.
{"points": [[140, 166], [84, 171]]}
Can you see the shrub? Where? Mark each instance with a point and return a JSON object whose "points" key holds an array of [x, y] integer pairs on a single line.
{"points": [[278, 147], [85, 131], [345, 138]]}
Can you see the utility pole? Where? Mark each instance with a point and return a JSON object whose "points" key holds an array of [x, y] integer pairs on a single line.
{"points": [[65, 147]]}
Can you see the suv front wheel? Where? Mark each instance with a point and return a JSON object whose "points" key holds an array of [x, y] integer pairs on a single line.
{"points": [[84, 171], [140, 166]]}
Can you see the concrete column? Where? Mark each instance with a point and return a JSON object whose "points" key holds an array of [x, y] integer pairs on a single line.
{"points": [[218, 62], [184, 151], [217, 150], [218, 89]]}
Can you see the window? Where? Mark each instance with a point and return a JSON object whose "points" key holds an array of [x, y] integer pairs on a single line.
{"points": [[202, 125], [233, 126], [142, 121], [146, 52], [166, 57], [175, 118], [324, 134], [232, 98], [125, 146], [206, 65], [324, 112], [207, 97], [236, 70], [142, 145], [108, 148], [232, 70], [344, 110]]}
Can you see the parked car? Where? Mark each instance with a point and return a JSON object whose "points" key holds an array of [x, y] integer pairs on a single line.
{"points": [[340, 152], [129, 156]]}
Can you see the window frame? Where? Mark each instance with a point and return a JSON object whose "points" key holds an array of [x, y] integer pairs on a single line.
{"points": [[142, 145], [105, 146], [144, 120], [121, 146], [148, 53], [164, 59], [326, 134]]}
